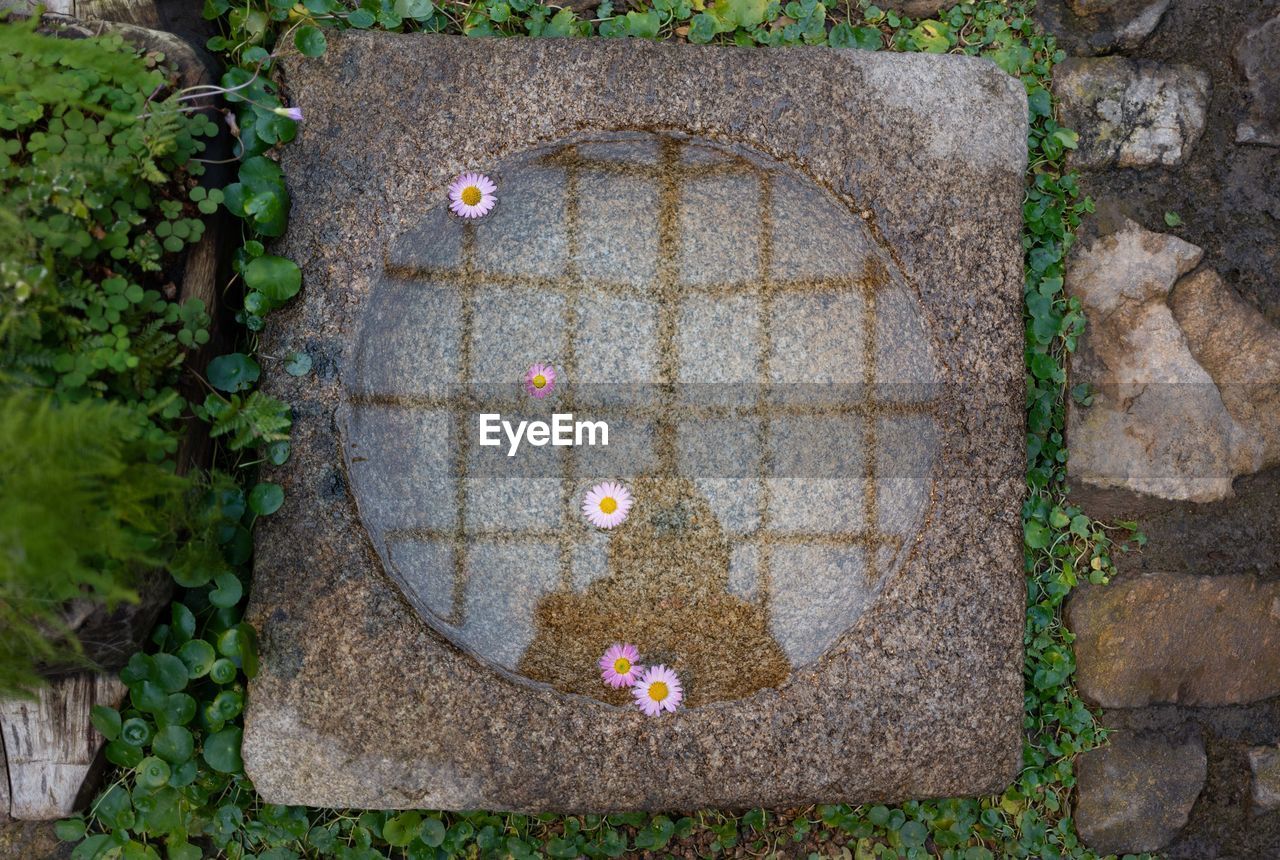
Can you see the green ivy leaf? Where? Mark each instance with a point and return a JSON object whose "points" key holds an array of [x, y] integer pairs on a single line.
{"points": [[1036, 535], [182, 623], [418, 10], [402, 829], [174, 744], [433, 833], [309, 41], [702, 28], [729, 15], [106, 720], [170, 673], [152, 772], [276, 278], [297, 363], [266, 498], [198, 655], [222, 750], [643, 25], [260, 196], [233, 372], [278, 453], [228, 591], [70, 829]]}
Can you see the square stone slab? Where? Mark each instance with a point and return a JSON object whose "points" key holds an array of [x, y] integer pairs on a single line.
{"points": [[790, 281]]}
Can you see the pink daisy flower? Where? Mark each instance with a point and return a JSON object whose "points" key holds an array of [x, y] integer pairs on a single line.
{"points": [[658, 690], [539, 381], [618, 665], [472, 195], [607, 504]]}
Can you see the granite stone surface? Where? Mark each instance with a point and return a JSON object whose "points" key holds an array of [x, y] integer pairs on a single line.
{"points": [[1135, 793], [790, 281]]}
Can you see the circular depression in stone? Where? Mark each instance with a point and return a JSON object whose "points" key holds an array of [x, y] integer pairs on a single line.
{"points": [[766, 375]]}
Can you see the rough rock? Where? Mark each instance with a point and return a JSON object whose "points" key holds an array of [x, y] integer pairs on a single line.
{"points": [[1131, 113], [1134, 794], [1158, 424], [1122, 26], [1133, 30], [374, 695], [1240, 350], [1264, 764], [1258, 57], [1177, 638]]}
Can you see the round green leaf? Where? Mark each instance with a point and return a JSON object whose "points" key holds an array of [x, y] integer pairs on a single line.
{"points": [[402, 829], [234, 372], [136, 732], [310, 41], [227, 705], [106, 720], [278, 453], [184, 773], [174, 744], [297, 364], [70, 829], [148, 696], [223, 671], [171, 672], [198, 655], [123, 754], [416, 9], [228, 592], [266, 498], [277, 278], [152, 772], [177, 711], [183, 622], [222, 751], [433, 832]]}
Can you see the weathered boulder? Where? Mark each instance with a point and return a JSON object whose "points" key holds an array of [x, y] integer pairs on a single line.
{"points": [[1131, 113], [1136, 793], [1240, 350], [1177, 638], [1258, 57], [1264, 763], [1157, 424]]}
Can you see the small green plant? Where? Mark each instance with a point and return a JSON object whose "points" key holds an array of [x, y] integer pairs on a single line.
{"points": [[95, 176], [82, 514]]}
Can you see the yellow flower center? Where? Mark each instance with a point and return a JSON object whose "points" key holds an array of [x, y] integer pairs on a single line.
{"points": [[658, 691], [608, 504], [471, 195], [622, 665], [539, 381]]}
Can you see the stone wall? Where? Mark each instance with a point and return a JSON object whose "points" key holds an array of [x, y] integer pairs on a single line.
{"points": [[1177, 103]]}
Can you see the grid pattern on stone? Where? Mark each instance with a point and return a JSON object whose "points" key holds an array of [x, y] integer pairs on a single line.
{"points": [[770, 532]]}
